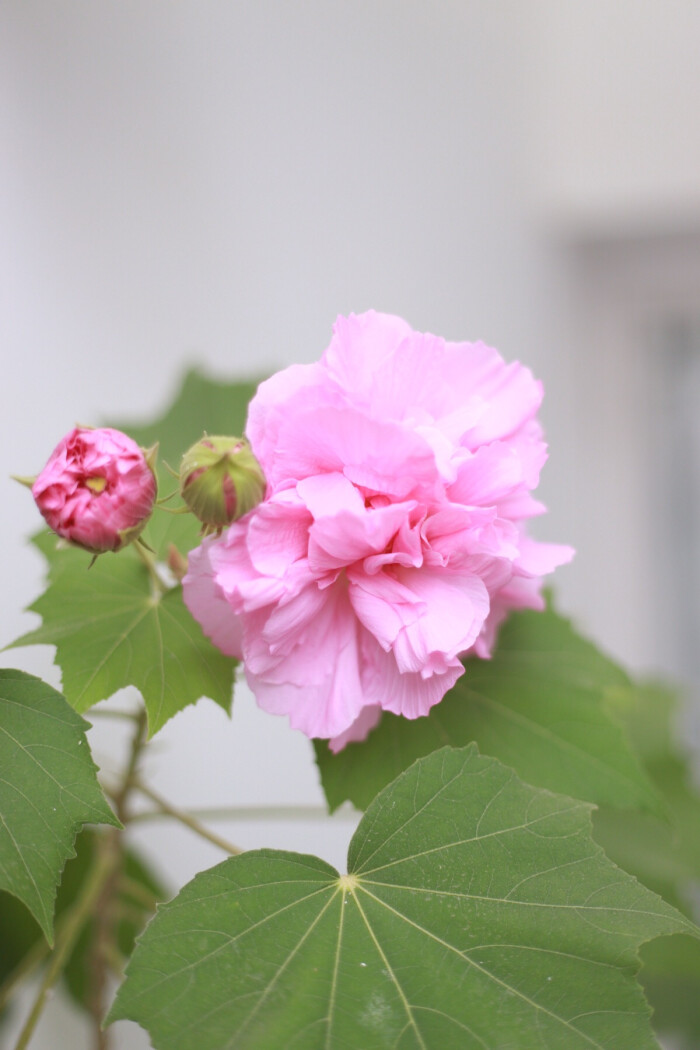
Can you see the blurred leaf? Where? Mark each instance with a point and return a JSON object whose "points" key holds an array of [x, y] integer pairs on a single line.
{"points": [[110, 632], [664, 855], [48, 790], [131, 913], [541, 705], [21, 934], [478, 913]]}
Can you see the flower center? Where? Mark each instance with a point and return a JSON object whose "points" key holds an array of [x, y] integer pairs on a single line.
{"points": [[96, 484]]}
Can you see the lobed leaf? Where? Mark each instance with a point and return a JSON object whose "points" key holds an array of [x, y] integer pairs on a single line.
{"points": [[48, 790], [541, 705], [110, 631], [477, 913]]}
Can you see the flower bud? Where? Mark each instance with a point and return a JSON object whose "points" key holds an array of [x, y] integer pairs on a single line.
{"points": [[97, 490], [221, 480]]}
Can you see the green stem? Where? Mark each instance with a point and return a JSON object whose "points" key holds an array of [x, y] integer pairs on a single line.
{"points": [[34, 958], [101, 871], [109, 846], [95, 899], [184, 818], [129, 716], [129, 887], [251, 813], [158, 588]]}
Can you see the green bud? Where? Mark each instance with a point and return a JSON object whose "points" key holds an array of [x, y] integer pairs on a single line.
{"points": [[221, 480]]}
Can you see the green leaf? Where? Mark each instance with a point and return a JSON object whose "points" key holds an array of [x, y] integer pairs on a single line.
{"points": [[664, 855], [200, 405], [541, 705], [48, 790], [477, 913], [670, 977], [134, 902], [110, 631]]}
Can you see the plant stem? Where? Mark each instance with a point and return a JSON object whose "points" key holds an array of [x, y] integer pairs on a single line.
{"points": [[251, 813], [137, 892], [184, 818], [109, 846], [129, 716], [100, 873], [34, 958], [95, 900], [158, 588]]}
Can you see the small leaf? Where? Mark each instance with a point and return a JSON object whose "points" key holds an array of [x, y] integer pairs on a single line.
{"points": [[541, 705], [110, 632], [477, 913], [48, 790]]}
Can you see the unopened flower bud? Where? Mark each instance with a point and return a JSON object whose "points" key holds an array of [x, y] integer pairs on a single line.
{"points": [[221, 480], [97, 490]]}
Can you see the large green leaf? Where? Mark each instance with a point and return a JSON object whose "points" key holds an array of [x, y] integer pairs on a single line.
{"points": [[664, 855], [540, 705], [200, 405], [111, 631], [477, 913], [48, 790]]}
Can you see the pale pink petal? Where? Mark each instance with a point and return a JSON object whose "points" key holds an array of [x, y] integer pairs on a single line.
{"points": [[269, 408], [346, 538], [376, 455], [208, 604], [278, 534], [367, 719], [360, 343], [425, 616], [489, 475], [325, 495], [539, 559], [318, 685], [408, 694]]}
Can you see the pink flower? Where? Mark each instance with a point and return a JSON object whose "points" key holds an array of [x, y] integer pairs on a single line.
{"points": [[391, 541], [97, 489]]}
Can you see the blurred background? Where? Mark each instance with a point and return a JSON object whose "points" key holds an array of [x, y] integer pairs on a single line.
{"points": [[201, 182]]}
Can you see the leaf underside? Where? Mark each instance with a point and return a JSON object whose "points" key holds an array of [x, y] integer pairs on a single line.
{"points": [[541, 705], [48, 790], [477, 913]]}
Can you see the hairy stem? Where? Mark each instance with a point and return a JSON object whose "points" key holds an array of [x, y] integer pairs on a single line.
{"points": [[185, 818]]}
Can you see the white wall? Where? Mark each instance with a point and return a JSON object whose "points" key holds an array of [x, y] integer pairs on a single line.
{"points": [[197, 181]]}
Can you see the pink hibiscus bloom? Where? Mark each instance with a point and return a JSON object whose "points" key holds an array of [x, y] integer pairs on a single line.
{"points": [[391, 540]]}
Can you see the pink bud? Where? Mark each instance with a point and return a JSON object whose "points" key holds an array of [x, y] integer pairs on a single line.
{"points": [[97, 489]]}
